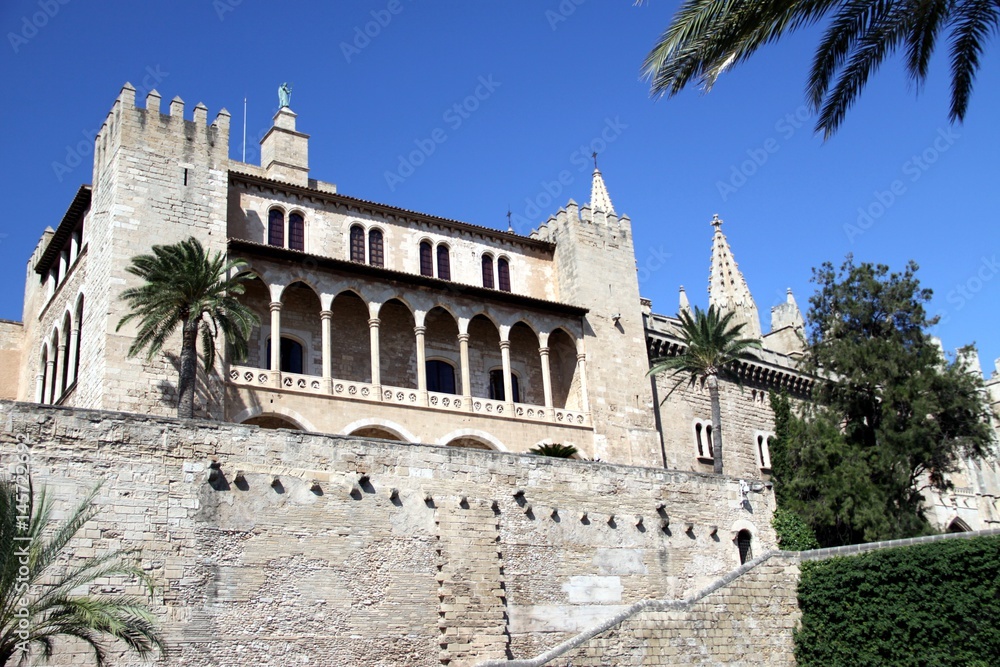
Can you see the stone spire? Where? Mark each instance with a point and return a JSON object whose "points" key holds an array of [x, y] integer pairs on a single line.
{"points": [[727, 289], [600, 200], [685, 305], [787, 314]]}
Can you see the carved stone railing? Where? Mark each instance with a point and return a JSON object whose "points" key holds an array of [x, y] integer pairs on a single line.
{"points": [[404, 396]]}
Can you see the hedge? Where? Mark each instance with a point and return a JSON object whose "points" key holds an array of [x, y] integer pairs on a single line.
{"points": [[929, 604]]}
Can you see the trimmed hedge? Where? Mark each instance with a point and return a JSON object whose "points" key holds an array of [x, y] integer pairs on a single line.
{"points": [[929, 604]]}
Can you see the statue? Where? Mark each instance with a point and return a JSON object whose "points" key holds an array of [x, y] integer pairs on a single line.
{"points": [[284, 95]]}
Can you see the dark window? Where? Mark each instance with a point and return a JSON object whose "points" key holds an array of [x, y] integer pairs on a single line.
{"points": [[44, 361], [291, 355], [426, 259], [760, 450], [743, 539], [444, 263], [497, 392], [296, 232], [79, 339], [697, 435], [357, 244], [488, 271], [276, 228], [376, 252], [440, 377], [503, 274], [711, 443]]}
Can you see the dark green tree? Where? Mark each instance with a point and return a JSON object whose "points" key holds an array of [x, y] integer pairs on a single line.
{"points": [[706, 37], [555, 450], [185, 287], [37, 603], [711, 344], [891, 418]]}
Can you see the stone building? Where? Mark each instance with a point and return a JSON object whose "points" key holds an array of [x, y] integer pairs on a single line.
{"points": [[390, 323]]}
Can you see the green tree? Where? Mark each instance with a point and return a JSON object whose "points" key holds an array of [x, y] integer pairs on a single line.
{"points": [[706, 37], [711, 344], [36, 586], [186, 287], [555, 450], [892, 418]]}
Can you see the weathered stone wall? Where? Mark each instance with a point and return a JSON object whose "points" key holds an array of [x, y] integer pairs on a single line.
{"points": [[11, 342], [346, 551]]}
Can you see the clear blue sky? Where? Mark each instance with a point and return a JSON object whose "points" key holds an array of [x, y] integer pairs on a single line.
{"points": [[562, 74]]}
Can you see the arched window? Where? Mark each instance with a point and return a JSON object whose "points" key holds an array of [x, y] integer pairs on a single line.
{"points": [[711, 443], [743, 543], [440, 376], [357, 244], [43, 362], [376, 251], [426, 259], [497, 392], [79, 338], [296, 232], [488, 271], [703, 440], [292, 354], [444, 263], [276, 228], [764, 450], [698, 441], [503, 274]]}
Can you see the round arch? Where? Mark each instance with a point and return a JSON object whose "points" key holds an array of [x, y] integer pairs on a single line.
{"points": [[738, 529], [287, 414], [381, 424], [473, 434]]}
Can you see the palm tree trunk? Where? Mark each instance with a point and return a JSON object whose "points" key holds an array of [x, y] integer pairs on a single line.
{"points": [[713, 393], [189, 369]]}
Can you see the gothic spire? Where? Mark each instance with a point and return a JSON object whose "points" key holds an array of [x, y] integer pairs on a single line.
{"points": [[685, 305], [727, 289], [600, 200]]}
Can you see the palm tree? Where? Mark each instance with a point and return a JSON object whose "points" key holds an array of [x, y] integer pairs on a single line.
{"points": [[36, 600], [706, 37], [711, 344], [184, 286], [555, 450]]}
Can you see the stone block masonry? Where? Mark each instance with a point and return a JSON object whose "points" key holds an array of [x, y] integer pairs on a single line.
{"points": [[346, 551]]}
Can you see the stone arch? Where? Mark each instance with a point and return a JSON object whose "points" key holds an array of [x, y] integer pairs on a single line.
{"points": [[484, 353], [441, 344], [740, 529], [957, 525], [472, 435], [282, 413], [564, 370], [350, 327], [362, 427], [300, 280], [526, 363], [65, 376], [397, 345], [300, 321]]}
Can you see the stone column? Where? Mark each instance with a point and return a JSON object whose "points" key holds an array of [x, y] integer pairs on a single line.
{"points": [[326, 317], [581, 364], [373, 325], [74, 343], [40, 385], [60, 384], [508, 384], [50, 389], [463, 347], [63, 264], [421, 364], [276, 344], [543, 353]]}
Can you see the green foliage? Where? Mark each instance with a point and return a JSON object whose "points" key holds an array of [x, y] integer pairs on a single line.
{"points": [[555, 450], [930, 604], [707, 37], [895, 415], [794, 534], [711, 344], [185, 287], [38, 585]]}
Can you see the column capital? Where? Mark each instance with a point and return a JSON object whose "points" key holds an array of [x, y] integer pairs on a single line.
{"points": [[374, 322], [463, 338], [275, 306], [544, 351], [505, 345], [326, 314]]}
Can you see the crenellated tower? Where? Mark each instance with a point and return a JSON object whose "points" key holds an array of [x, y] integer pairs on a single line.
{"points": [[596, 268]]}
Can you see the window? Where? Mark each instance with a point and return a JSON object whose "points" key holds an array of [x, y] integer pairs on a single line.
{"points": [[764, 450], [497, 392], [291, 355], [704, 447], [440, 377], [276, 228], [376, 253], [296, 232], [357, 244], [488, 271], [444, 263], [426, 259], [743, 543], [503, 274]]}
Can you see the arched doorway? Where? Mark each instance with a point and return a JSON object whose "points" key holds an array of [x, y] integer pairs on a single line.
{"points": [[271, 421]]}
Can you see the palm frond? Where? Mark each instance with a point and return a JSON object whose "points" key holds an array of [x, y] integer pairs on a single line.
{"points": [[975, 21]]}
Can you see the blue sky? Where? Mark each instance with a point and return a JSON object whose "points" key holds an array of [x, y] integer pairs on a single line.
{"points": [[555, 80]]}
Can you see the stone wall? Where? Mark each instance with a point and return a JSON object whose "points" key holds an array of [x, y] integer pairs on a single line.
{"points": [[11, 341], [347, 551]]}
